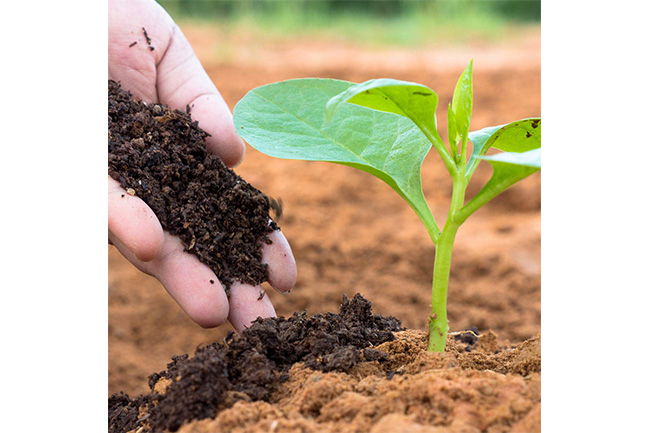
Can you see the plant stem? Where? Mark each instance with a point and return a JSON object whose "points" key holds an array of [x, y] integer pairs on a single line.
{"points": [[438, 324]]}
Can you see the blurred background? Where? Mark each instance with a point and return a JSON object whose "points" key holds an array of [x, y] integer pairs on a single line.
{"points": [[379, 22]]}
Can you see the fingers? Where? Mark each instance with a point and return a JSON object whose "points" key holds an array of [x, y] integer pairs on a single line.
{"points": [[182, 81], [133, 222], [197, 290], [137, 234], [189, 282], [247, 303], [282, 265], [192, 284]]}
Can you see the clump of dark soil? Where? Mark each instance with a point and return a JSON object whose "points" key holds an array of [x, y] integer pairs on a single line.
{"points": [[247, 366], [160, 155]]}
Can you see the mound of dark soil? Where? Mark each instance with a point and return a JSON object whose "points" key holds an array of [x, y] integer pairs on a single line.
{"points": [[248, 365], [160, 155]]}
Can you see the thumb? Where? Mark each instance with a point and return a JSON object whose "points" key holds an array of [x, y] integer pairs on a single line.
{"points": [[182, 82]]}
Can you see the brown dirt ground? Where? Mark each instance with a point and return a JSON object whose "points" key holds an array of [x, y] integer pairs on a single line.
{"points": [[481, 391], [351, 233]]}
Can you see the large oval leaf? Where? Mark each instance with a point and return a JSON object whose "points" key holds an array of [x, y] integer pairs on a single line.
{"points": [[288, 120]]}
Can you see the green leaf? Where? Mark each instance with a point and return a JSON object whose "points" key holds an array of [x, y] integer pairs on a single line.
{"points": [[461, 103], [519, 136], [452, 133], [412, 100], [508, 169], [287, 120], [532, 158]]}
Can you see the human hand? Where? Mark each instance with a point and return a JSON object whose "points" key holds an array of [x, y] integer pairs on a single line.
{"points": [[171, 74]]}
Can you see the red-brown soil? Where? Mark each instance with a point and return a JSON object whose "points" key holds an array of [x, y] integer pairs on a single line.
{"points": [[480, 391], [352, 233]]}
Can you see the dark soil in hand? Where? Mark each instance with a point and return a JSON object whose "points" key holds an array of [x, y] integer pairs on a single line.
{"points": [[248, 366], [160, 155]]}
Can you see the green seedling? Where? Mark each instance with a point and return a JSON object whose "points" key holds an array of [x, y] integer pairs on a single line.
{"points": [[386, 127]]}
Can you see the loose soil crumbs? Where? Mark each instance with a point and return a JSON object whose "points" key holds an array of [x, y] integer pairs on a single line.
{"points": [[341, 373], [160, 155], [249, 365]]}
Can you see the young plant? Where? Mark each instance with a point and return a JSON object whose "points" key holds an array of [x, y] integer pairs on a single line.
{"points": [[386, 127]]}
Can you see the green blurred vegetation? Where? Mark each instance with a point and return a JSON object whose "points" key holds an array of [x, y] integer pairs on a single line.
{"points": [[404, 22]]}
